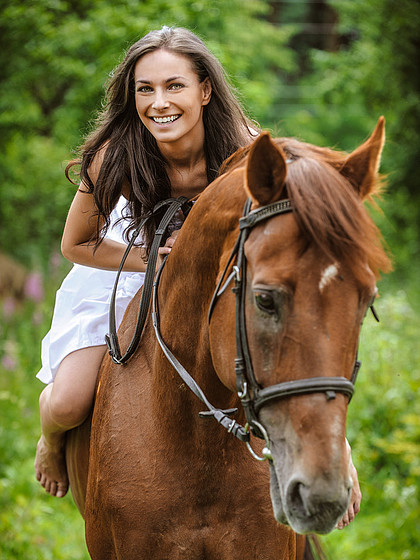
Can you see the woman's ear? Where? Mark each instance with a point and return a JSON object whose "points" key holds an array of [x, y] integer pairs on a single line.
{"points": [[206, 85]]}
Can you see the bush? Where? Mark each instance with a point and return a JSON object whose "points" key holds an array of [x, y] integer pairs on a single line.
{"points": [[384, 431]]}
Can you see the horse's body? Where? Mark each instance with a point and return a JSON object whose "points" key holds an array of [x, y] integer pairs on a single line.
{"points": [[166, 484]]}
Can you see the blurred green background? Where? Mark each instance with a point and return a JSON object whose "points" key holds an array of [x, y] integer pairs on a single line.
{"points": [[323, 71]]}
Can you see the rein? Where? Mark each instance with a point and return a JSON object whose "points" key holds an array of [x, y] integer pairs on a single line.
{"points": [[222, 416], [111, 339]]}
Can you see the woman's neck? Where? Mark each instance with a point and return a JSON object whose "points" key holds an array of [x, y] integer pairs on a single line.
{"points": [[186, 168], [182, 154], [188, 181]]}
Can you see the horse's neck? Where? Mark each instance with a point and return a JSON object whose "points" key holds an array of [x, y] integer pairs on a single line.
{"points": [[189, 281], [182, 310]]}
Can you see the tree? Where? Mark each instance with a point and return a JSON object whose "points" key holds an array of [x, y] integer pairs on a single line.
{"points": [[343, 92]]}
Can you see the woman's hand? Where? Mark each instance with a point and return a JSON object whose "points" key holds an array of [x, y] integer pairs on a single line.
{"points": [[356, 495], [166, 249]]}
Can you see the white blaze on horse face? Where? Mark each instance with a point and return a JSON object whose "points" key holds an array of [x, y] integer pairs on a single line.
{"points": [[327, 275]]}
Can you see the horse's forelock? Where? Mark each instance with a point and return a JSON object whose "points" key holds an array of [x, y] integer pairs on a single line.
{"points": [[329, 210]]}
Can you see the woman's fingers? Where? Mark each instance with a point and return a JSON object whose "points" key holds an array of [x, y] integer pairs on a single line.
{"points": [[356, 496], [166, 249]]}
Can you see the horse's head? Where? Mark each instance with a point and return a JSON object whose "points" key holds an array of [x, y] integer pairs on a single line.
{"points": [[311, 276]]}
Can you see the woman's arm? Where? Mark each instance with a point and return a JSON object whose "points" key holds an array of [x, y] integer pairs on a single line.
{"points": [[79, 229], [81, 226]]}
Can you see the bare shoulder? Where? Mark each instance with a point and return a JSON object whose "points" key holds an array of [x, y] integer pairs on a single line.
{"points": [[95, 168], [96, 164]]}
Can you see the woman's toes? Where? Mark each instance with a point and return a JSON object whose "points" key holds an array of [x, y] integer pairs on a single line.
{"points": [[53, 488], [50, 468], [61, 490]]}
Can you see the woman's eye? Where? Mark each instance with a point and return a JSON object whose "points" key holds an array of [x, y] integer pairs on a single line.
{"points": [[175, 86], [265, 302], [144, 89]]}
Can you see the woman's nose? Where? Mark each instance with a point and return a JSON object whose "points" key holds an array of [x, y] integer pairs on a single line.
{"points": [[160, 102]]}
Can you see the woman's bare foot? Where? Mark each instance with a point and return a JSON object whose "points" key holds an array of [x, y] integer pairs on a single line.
{"points": [[50, 467], [63, 405]]}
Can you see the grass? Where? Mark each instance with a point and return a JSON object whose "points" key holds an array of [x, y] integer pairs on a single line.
{"points": [[384, 431]]}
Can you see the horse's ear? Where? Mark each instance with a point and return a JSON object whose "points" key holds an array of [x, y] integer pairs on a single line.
{"points": [[361, 167], [265, 170]]}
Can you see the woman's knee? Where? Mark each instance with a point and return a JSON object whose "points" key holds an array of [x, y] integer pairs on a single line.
{"points": [[68, 409], [71, 395]]}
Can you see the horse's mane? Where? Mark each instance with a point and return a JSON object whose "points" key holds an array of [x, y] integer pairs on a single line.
{"points": [[329, 211]]}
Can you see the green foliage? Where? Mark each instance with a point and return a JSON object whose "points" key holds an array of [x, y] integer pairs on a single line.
{"points": [[341, 98], [384, 431], [33, 525], [33, 207]]}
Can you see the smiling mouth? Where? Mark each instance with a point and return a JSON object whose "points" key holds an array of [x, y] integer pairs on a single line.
{"points": [[164, 120]]}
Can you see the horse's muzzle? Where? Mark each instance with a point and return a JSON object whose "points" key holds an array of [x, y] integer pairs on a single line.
{"points": [[309, 506]]}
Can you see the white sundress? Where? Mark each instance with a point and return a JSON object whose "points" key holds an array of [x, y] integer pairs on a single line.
{"points": [[80, 317]]}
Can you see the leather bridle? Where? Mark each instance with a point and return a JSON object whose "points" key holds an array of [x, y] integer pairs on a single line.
{"points": [[253, 397]]}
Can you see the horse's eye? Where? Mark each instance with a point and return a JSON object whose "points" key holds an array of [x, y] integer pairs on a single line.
{"points": [[265, 302]]}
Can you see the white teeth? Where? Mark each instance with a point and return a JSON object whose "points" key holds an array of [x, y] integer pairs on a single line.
{"points": [[162, 120]]}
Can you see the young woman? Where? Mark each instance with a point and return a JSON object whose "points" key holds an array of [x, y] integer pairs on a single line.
{"points": [[170, 121]]}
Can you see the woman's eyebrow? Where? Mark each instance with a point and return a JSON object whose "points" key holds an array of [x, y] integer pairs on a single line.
{"points": [[175, 78], [171, 79]]}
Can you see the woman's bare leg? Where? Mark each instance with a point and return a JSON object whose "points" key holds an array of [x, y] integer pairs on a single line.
{"points": [[64, 405]]}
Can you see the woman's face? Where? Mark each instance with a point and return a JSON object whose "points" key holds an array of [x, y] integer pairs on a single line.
{"points": [[170, 99]]}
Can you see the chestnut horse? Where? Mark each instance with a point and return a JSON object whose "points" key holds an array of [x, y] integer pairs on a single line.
{"points": [[166, 484]]}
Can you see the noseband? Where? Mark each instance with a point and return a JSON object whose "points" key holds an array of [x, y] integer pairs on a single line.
{"points": [[253, 396]]}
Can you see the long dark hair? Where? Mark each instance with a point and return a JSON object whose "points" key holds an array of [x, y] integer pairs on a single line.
{"points": [[131, 153]]}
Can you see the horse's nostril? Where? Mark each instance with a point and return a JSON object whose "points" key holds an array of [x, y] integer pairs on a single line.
{"points": [[321, 501], [298, 499]]}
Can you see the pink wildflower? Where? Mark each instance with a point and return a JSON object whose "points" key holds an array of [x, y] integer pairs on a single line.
{"points": [[9, 307], [33, 287], [8, 362], [55, 262]]}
